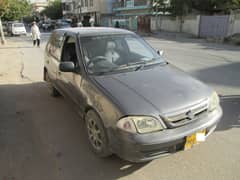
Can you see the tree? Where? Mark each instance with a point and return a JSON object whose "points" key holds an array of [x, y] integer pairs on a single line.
{"points": [[180, 7], [183, 7], [54, 10], [12, 10], [16, 9], [175, 7], [160, 6], [3, 7], [212, 6]]}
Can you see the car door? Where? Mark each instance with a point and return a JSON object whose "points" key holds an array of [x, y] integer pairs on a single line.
{"points": [[70, 82], [53, 54]]}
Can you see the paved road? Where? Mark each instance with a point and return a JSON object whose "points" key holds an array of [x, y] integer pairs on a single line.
{"points": [[215, 64], [43, 138]]}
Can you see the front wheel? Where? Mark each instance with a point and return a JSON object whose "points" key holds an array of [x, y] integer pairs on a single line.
{"points": [[97, 136]]}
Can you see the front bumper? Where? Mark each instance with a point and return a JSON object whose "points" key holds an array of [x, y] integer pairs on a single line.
{"points": [[19, 33], [145, 147]]}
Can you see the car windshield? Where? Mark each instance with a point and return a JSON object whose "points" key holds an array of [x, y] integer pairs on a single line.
{"points": [[18, 25], [117, 53]]}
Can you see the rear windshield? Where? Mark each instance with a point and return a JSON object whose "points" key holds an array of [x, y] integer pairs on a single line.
{"points": [[18, 25]]}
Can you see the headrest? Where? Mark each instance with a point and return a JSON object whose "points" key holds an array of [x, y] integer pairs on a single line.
{"points": [[111, 45]]}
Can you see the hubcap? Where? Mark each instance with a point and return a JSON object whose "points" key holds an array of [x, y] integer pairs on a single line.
{"points": [[94, 134]]}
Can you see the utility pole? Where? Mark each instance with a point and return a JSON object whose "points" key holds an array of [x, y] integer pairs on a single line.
{"points": [[80, 11]]}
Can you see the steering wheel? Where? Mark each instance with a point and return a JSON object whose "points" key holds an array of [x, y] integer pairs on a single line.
{"points": [[96, 59]]}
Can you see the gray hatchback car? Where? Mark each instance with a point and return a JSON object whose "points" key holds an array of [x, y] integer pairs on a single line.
{"points": [[133, 102]]}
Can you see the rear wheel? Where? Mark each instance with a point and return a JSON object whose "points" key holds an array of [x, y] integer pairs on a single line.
{"points": [[53, 91], [97, 136]]}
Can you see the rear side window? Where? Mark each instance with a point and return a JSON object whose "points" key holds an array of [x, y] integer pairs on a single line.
{"points": [[18, 25], [55, 44]]}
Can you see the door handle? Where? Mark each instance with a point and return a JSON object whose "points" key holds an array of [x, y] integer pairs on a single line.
{"points": [[59, 73]]}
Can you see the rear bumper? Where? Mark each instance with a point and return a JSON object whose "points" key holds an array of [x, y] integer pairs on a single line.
{"points": [[145, 147]]}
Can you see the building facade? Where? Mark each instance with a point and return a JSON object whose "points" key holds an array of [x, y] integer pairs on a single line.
{"points": [[133, 14], [84, 10], [39, 6]]}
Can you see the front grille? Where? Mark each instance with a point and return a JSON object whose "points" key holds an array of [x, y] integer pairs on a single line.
{"points": [[187, 115]]}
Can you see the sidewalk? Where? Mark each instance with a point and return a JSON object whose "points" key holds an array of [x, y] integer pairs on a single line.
{"points": [[11, 58], [173, 36]]}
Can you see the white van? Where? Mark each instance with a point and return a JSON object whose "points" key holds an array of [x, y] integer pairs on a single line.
{"points": [[18, 29]]}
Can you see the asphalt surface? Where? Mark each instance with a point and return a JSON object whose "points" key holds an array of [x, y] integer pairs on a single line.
{"points": [[43, 138]]}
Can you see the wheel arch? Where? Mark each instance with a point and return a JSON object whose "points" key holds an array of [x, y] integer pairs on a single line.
{"points": [[88, 108], [107, 148]]}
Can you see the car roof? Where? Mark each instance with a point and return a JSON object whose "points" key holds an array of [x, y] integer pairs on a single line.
{"points": [[93, 31]]}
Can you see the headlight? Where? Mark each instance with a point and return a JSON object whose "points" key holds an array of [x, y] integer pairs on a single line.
{"points": [[140, 124], [214, 102]]}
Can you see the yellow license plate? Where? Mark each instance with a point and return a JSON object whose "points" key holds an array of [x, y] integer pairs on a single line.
{"points": [[194, 139]]}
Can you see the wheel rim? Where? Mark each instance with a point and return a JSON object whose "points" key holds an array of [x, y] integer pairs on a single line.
{"points": [[94, 134]]}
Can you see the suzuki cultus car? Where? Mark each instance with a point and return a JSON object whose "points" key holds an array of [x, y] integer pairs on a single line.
{"points": [[133, 103]]}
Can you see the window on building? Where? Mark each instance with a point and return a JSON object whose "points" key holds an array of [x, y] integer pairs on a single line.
{"points": [[68, 7], [73, 5], [91, 3], [82, 3], [86, 3], [139, 3]]}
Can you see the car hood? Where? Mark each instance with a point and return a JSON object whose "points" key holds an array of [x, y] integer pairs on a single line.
{"points": [[162, 88], [19, 29]]}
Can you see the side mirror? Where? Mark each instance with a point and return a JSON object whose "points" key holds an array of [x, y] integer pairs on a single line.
{"points": [[67, 67], [161, 53]]}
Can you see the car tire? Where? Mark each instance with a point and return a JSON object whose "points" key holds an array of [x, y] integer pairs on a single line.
{"points": [[53, 91], [97, 136]]}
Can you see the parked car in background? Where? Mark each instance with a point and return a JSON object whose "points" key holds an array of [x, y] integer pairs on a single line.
{"points": [[133, 102], [48, 25], [16, 28], [61, 25]]}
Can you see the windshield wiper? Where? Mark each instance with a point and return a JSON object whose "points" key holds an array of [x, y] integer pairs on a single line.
{"points": [[137, 66], [135, 63], [140, 67], [121, 68], [150, 63], [154, 61]]}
